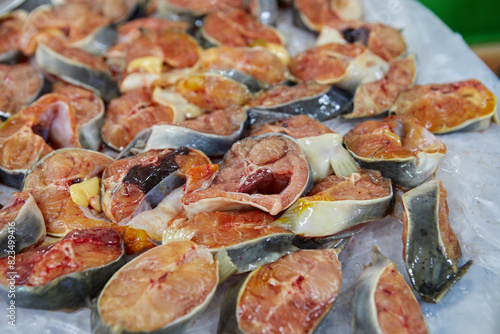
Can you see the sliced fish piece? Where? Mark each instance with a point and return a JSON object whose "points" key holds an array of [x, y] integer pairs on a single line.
{"points": [[127, 182], [24, 137], [431, 251], [49, 183], [213, 133], [79, 24], [211, 90], [240, 240], [64, 275], [399, 147], [295, 293], [383, 302], [89, 113], [314, 14], [265, 11], [258, 62], [345, 17], [174, 49], [10, 33], [338, 203], [21, 221], [269, 172], [77, 67], [323, 147], [295, 126], [130, 113], [385, 41], [377, 97], [130, 31], [324, 64], [346, 65], [190, 11], [115, 10], [20, 85], [237, 28], [318, 101], [13, 171], [442, 108], [165, 289]]}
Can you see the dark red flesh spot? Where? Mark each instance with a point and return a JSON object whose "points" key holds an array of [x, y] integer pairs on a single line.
{"points": [[266, 182]]}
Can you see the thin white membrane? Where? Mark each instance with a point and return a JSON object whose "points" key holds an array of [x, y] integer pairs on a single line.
{"points": [[470, 172]]}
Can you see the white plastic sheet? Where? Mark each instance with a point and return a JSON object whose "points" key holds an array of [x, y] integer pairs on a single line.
{"points": [[470, 172]]}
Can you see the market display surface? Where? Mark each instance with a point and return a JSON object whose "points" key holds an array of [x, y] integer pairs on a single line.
{"points": [[318, 166]]}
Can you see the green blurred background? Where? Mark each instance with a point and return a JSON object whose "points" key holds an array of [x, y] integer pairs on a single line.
{"points": [[478, 21]]}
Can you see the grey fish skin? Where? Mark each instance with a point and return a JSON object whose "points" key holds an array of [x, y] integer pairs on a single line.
{"points": [[227, 311], [364, 315], [247, 255], [101, 41], [68, 292], [99, 327], [29, 228], [260, 116], [268, 11], [89, 134], [261, 253], [431, 271], [10, 57], [249, 81], [329, 104], [162, 189], [228, 322], [404, 174], [8, 6], [173, 136], [169, 12], [29, 5], [138, 11], [13, 179], [269, 249], [176, 136], [76, 73], [298, 21]]}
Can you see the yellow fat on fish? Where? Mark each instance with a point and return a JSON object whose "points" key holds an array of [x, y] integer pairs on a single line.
{"points": [[277, 49], [87, 193], [151, 64]]}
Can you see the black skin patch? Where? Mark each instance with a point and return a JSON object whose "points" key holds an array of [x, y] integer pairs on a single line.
{"points": [[356, 35], [146, 177]]}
